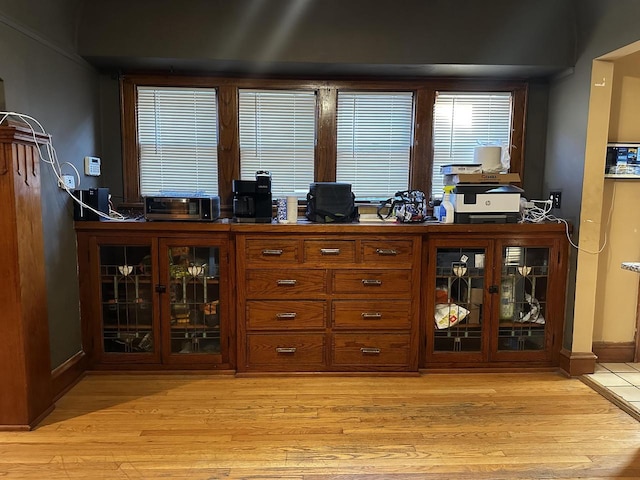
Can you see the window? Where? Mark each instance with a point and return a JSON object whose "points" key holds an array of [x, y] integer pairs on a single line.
{"points": [[379, 135], [374, 141], [464, 120], [277, 133], [177, 135]]}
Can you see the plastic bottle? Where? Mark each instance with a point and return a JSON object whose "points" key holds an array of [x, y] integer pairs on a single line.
{"points": [[436, 208], [446, 208]]}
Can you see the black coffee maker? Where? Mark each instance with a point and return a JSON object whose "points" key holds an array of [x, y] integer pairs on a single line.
{"points": [[252, 199]]}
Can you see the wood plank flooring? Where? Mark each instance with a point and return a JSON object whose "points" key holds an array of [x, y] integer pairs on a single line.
{"points": [[436, 426]]}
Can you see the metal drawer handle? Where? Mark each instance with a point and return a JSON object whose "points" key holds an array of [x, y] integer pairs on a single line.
{"points": [[370, 351], [275, 252], [371, 316], [286, 282], [286, 349], [286, 316], [330, 251], [386, 251], [371, 283]]}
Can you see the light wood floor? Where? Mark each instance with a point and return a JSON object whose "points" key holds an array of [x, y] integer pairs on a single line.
{"points": [[462, 426]]}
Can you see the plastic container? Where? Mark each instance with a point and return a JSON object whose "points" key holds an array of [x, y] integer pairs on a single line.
{"points": [[446, 208], [436, 208]]}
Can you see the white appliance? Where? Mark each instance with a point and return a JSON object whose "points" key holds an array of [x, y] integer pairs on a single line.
{"points": [[486, 203]]}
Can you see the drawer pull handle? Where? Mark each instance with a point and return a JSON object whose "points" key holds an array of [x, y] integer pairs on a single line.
{"points": [[286, 349], [272, 253], [386, 251], [286, 282], [329, 251], [286, 316], [370, 351], [371, 283], [371, 316]]}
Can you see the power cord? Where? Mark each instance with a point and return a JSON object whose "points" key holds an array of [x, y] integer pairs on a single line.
{"points": [[535, 211], [538, 211], [52, 160]]}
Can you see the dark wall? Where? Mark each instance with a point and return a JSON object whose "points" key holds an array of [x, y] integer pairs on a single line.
{"points": [[53, 22], [603, 26], [409, 36], [494, 38], [44, 78]]}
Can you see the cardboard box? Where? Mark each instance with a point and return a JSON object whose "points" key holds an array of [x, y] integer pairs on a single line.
{"points": [[474, 314], [476, 296], [499, 178]]}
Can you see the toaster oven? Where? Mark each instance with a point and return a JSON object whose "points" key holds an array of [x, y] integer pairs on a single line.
{"points": [[197, 209]]}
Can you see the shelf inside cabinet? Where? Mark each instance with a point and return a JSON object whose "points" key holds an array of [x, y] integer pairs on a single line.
{"points": [[465, 326], [125, 327], [520, 325], [195, 281], [198, 326]]}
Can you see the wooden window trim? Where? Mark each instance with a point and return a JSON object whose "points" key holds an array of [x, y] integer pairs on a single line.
{"points": [[421, 155]]}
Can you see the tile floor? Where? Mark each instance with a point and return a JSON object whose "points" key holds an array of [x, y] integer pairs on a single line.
{"points": [[620, 383]]}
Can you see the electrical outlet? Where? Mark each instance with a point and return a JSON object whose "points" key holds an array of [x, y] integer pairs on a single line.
{"points": [[555, 198], [67, 181]]}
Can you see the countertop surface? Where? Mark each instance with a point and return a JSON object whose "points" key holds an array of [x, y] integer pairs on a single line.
{"points": [[633, 266]]}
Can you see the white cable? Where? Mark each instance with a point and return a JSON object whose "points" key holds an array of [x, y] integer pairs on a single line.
{"points": [[52, 161], [604, 244], [538, 214]]}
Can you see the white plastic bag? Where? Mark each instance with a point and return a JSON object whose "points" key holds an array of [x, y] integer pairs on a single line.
{"points": [[494, 157], [449, 314]]}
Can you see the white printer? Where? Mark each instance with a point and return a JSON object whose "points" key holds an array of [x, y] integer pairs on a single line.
{"points": [[486, 203]]}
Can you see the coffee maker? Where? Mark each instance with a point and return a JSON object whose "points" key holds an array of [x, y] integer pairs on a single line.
{"points": [[252, 199]]}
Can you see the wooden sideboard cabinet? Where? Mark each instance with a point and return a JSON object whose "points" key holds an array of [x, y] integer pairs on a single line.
{"points": [[159, 295], [314, 298], [266, 298]]}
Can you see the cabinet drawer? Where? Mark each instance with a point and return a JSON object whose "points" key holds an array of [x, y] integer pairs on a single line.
{"points": [[271, 251], [386, 252], [329, 251], [285, 314], [372, 314], [286, 351], [262, 283], [373, 282], [372, 349]]}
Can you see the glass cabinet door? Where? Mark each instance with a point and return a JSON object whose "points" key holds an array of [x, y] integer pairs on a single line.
{"points": [[459, 312], [193, 301], [523, 293], [126, 290]]}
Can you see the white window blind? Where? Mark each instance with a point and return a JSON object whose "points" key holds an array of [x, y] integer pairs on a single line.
{"points": [[277, 133], [178, 140], [374, 141], [464, 120]]}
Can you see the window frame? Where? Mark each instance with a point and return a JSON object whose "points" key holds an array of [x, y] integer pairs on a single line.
{"points": [[163, 140], [412, 124], [325, 152], [312, 143]]}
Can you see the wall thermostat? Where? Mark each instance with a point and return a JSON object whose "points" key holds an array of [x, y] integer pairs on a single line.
{"points": [[92, 166]]}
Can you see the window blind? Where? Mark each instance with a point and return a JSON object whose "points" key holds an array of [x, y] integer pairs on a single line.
{"points": [[178, 140], [374, 141], [464, 120], [277, 133]]}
